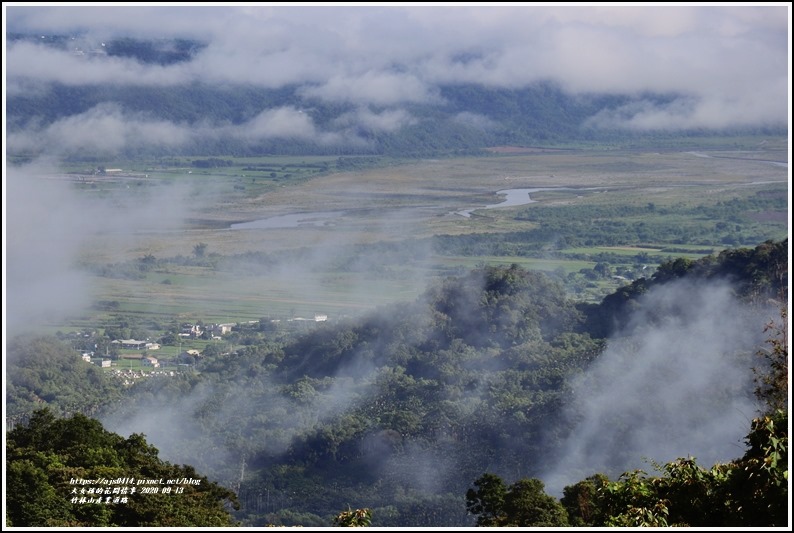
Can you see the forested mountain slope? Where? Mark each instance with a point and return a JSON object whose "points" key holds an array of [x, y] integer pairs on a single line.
{"points": [[493, 371]]}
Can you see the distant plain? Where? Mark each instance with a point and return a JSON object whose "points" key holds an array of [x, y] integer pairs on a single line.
{"points": [[408, 202]]}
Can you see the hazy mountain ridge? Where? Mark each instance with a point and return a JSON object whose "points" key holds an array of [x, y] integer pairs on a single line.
{"points": [[246, 119]]}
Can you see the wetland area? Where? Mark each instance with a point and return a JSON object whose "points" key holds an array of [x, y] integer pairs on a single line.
{"points": [[341, 241]]}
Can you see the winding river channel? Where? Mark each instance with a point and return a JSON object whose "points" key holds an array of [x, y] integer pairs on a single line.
{"points": [[513, 197]]}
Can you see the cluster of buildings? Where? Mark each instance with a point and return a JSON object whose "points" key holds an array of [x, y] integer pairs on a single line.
{"points": [[132, 344], [88, 356], [186, 357], [129, 376], [104, 362], [195, 331]]}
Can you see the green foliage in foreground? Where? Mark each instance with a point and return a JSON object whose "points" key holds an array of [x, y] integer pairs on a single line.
{"points": [[751, 491], [524, 503], [351, 518], [47, 458]]}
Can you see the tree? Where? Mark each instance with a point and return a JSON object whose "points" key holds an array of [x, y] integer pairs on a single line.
{"points": [[749, 492], [488, 500], [582, 501], [351, 518], [772, 379], [522, 504], [199, 250], [43, 369], [603, 269], [759, 480], [527, 505], [147, 262], [171, 339], [212, 350], [632, 502], [54, 466], [673, 269]]}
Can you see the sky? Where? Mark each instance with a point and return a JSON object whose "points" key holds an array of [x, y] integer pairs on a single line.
{"points": [[728, 64]]}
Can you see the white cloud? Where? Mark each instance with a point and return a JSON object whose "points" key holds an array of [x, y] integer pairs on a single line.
{"points": [[282, 122], [726, 58], [381, 88], [680, 387], [104, 128], [475, 120], [51, 229], [388, 120], [28, 61], [109, 130]]}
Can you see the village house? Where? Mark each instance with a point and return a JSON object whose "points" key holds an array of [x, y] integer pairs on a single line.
{"points": [[191, 330], [221, 329], [130, 344], [189, 356]]}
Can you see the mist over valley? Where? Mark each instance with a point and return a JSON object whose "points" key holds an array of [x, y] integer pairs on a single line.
{"points": [[364, 258]]}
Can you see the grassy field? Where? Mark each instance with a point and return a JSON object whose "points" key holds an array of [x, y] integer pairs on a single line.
{"points": [[406, 202], [215, 298], [656, 255]]}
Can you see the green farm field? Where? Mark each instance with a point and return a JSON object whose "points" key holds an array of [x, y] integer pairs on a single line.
{"points": [[363, 237]]}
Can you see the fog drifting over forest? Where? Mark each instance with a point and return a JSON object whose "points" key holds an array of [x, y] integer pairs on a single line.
{"points": [[725, 66], [679, 387]]}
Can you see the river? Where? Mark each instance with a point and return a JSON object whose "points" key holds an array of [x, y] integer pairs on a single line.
{"points": [[514, 197]]}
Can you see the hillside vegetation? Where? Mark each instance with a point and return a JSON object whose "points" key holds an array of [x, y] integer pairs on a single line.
{"points": [[402, 410], [322, 310]]}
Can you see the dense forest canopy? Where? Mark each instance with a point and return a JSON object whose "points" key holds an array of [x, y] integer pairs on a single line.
{"points": [[71, 472], [400, 411]]}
